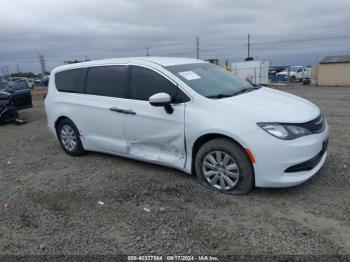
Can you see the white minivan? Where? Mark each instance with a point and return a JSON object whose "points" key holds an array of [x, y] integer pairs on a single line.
{"points": [[190, 115]]}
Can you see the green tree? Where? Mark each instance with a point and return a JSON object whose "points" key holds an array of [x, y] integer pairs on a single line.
{"points": [[24, 74]]}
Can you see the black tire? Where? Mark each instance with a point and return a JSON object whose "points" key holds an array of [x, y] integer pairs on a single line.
{"points": [[79, 149], [306, 81], [246, 173], [292, 79]]}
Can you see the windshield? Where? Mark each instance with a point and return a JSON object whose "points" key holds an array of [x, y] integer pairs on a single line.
{"points": [[293, 69], [210, 80]]}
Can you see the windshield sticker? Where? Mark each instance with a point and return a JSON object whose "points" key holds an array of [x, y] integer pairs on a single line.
{"points": [[189, 75]]}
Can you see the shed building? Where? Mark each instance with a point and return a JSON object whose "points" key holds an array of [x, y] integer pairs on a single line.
{"points": [[333, 71]]}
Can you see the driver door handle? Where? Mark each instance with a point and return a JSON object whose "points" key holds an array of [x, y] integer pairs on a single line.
{"points": [[123, 111]]}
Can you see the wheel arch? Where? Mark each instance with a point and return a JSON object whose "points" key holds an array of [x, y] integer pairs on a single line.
{"points": [[59, 119], [210, 136]]}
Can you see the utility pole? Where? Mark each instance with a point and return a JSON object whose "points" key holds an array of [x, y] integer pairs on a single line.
{"points": [[248, 45], [17, 68], [248, 57], [197, 46], [147, 51], [86, 58], [42, 65]]}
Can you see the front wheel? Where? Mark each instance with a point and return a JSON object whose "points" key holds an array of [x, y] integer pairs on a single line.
{"points": [[223, 165], [292, 79]]}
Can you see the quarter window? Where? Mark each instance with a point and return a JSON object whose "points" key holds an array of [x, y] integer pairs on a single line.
{"points": [[109, 81], [145, 83], [71, 80]]}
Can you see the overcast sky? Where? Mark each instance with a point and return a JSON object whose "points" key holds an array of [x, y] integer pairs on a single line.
{"points": [[282, 32]]}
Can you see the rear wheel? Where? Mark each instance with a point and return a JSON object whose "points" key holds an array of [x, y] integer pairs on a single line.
{"points": [[224, 166], [69, 138]]}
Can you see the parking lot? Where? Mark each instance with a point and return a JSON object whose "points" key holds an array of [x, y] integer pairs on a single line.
{"points": [[53, 199]]}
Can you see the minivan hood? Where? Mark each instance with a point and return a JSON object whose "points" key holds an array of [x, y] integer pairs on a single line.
{"points": [[266, 104]]}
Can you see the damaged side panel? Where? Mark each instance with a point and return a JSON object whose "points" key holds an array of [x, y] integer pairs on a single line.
{"points": [[166, 147], [154, 135]]}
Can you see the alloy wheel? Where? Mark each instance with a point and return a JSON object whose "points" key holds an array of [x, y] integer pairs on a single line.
{"points": [[220, 170], [68, 138]]}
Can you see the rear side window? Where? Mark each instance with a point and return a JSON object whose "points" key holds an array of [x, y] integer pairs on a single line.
{"points": [[20, 85], [145, 83], [71, 81], [109, 81]]}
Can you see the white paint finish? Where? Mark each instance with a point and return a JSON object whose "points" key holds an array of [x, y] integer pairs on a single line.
{"points": [[101, 128], [160, 98], [155, 136], [269, 105]]}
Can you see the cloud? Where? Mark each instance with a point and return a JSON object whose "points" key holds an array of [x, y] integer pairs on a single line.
{"points": [[284, 32]]}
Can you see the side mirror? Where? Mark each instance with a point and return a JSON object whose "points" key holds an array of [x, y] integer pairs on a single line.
{"points": [[162, 99]]}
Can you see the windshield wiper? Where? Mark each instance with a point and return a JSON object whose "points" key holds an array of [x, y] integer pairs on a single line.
{"points": [[246, 90], [222, 95], [241, 91]]}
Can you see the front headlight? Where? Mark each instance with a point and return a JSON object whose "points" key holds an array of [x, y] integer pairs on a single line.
{"points": [[284, 131]]}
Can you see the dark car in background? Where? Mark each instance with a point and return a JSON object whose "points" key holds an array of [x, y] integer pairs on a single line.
{"points": [[14, 96]]}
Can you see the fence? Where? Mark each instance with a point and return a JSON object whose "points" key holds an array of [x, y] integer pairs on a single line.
{"points": [[255, 72]]}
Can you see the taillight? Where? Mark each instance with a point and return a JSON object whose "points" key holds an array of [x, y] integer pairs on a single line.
{"points": [[45, 94]]}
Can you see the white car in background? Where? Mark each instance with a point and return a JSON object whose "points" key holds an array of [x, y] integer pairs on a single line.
{"points": [[296, 73], [190, 115], [30, 82]]}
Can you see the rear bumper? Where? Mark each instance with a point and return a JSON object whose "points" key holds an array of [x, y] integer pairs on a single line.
{"points": [[281, 163]]}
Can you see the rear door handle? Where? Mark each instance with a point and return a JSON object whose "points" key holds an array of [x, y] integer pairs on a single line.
{"points": [[129, 112], [116, 109], [123, 111]]}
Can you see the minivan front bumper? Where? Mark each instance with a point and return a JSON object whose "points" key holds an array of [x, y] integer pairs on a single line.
{"points": [[284, 163]]}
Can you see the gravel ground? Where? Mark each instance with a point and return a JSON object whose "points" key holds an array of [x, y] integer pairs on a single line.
{"points": [[53, 200]]}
